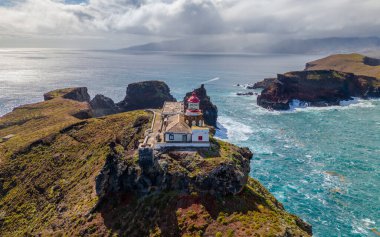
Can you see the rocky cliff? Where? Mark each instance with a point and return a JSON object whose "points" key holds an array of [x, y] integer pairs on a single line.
{"points": [[205, 171], [210, 111], [324, 82], [102, 105], [317, 88], [262, 84], [146, 94], [140, 95], [78, 94], [61, 175]]}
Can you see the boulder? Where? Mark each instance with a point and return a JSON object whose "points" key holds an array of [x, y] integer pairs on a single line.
{"points": [[210, 111], [245, 93], [77, 93], [102, 105], [144, 95]]}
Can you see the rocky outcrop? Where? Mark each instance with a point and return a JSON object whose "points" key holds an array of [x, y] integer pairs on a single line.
{"points": [[140, 95], [146, 94], [371, 61], [102, 105], [262, 84], [174, 170], [245, 93], [317, 88], [78, 94], [210, 111]]}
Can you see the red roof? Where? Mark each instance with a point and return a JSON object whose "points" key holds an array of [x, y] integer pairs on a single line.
{"points": [[193, 98]]}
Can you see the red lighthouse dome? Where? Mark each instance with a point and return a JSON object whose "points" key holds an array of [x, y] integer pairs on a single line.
{"points": [[193, 98], [193, 105]]}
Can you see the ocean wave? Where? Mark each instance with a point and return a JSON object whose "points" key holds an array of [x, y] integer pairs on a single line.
{"points": [[296, 105], [232, 130]]}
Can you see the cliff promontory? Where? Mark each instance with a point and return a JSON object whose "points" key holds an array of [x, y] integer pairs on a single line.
{"points": [[139, 95], [65, 175], [324, 82]]}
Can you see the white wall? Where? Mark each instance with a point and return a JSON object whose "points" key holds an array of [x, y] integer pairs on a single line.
{"points": [[204, 133], [190, 145], [177, 137]]}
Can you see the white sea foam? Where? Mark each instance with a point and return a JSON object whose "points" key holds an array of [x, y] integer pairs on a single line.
{"points": [[363, 226], [233, 130], [368, 222], [300, 106], [211, 80], [358, 227]]}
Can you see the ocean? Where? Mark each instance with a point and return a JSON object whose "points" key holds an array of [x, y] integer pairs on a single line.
{"points": [[323, 164]]}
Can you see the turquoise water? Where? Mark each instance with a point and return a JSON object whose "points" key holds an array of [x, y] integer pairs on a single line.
{"points": [[321, 163]]}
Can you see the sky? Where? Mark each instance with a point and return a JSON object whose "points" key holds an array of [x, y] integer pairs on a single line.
{"points": [[121, 23]]}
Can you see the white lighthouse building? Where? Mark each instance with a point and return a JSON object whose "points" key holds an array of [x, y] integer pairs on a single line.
{"points": [[184, 127]]}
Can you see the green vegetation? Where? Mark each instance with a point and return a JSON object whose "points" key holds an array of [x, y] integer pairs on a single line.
{"points": [[253, 212], [352, 63], [31, 123], [48, 171], [59, 93]]}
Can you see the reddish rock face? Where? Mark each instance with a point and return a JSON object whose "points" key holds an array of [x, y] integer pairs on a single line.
{"points": [[318, 88]]}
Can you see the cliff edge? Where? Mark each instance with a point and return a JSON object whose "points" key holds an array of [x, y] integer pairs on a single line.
{"points": [[324, 82], [61, 174]]}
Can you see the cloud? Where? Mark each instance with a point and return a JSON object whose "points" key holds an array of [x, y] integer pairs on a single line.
{"points": [[190, 18]]}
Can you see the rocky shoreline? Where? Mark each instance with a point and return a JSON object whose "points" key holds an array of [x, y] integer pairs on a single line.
{"points": [[317, 88]]}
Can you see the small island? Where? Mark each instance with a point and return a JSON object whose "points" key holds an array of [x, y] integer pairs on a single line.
{"points": [[324, 82], [72, 166]]}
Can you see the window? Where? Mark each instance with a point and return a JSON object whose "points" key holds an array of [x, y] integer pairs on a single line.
{"points": [[184, 138], [171, 137], [200, 138]]}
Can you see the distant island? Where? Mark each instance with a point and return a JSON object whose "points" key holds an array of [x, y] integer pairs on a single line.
{"points": [[70, 166], [290, 46], [324, 82]]}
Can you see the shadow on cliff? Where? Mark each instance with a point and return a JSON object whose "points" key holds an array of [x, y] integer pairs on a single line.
{"points": [[129, 216]]}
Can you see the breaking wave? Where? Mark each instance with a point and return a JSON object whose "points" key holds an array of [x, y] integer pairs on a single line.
{"points": [[297, 105], [232, 130]]}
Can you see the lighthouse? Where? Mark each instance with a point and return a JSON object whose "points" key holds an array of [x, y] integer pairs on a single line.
{"points": [[183, 127], [193, 114]]}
